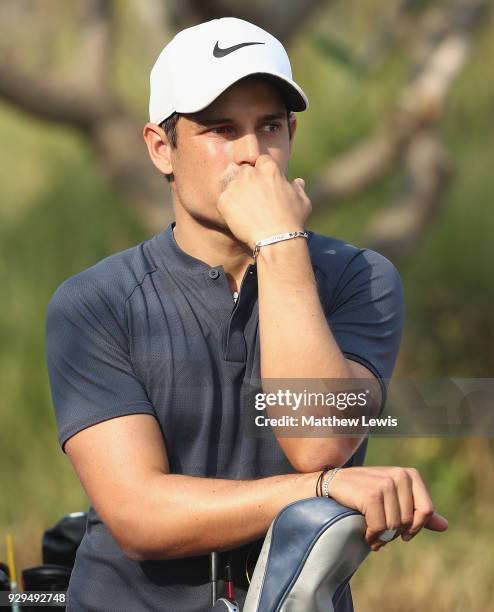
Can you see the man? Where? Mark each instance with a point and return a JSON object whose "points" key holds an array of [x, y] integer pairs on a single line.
{"points": [[149, 350]]}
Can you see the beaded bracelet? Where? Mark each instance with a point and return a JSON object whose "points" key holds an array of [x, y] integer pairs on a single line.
{"points": [[325, 470], [325, 486]]}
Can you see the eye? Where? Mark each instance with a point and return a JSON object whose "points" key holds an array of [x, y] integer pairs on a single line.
{"points": [[272, 127], [222, 129]]}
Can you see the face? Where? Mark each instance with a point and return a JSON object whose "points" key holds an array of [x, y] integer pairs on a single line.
{"points": [[247, 120]]}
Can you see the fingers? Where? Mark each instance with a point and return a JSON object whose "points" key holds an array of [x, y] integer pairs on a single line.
{"points": [[407, 508], [392, 499], [437, 522], [265, 159], [392, 512], [423, 507], [405, 498], [375, 517], [398, 505], [299, 186]]}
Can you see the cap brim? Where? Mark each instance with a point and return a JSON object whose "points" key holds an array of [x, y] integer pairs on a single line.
{"points": [[294, 97]]}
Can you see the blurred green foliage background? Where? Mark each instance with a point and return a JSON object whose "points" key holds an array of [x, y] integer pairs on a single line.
{"points": [[59, 216]]}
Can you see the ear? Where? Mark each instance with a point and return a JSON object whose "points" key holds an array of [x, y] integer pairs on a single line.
{"points": [[292, 119], [159, 148]]}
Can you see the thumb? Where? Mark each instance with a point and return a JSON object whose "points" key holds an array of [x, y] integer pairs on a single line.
{"points": [[437, 522], [298, 184]]}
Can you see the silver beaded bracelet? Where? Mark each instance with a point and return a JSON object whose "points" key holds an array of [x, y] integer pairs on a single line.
{"points": [[326, 483], [277, 238]]}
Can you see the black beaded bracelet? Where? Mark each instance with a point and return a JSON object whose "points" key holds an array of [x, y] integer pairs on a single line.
{"points": [[318, 484], [324, 471]]}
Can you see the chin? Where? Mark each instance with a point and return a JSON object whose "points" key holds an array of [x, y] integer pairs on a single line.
{"points": [[216, 223]]}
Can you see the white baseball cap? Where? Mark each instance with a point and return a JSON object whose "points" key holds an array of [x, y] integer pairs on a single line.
{"points": [[201, 62]]}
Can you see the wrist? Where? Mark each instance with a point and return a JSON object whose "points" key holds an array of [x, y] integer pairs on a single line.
{"points": [[312, 482], [327, 480], [285, 228], [279, 246]]}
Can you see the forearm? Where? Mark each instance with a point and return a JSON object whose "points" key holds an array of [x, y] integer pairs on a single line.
{"points": [[297, 343], [181, 516]]}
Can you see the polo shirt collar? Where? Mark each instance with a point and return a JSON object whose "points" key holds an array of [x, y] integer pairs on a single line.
{"points": [[170, 255]]}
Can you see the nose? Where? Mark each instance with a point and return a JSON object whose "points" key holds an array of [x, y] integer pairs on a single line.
{"points": [[247, 149]]}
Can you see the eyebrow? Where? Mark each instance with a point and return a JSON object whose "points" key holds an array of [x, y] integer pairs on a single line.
{"points": [[208, 121]]}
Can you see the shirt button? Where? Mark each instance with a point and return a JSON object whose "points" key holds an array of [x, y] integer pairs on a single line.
{"points": [[213, 273]]}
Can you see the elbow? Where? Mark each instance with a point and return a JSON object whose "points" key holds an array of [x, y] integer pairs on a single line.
{"points": [[157, 552], [138, 541], [307, 459], [134, 554], [128, 537], [144, 543], [140, 550], [305, 465], [141, 547], [138, 553]]}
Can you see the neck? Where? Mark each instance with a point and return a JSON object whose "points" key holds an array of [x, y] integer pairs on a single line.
{"points": [[214, 245]]}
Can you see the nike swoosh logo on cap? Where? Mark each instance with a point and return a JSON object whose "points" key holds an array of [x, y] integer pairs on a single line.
{"points": [[217, 52]]}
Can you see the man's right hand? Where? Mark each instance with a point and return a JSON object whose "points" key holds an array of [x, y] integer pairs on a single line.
{"points": [[389, 498]]}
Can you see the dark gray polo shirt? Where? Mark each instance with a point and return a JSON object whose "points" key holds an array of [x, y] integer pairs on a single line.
{"points": [[153, 330]]}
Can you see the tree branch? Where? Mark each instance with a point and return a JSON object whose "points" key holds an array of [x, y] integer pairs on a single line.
{"points": [[83, 96], [95, 58], [50, 100], [282, 19], [398, 229], [420, 104]]}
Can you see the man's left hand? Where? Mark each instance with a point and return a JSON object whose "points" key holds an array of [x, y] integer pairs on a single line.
{"points": [[260, 202]]}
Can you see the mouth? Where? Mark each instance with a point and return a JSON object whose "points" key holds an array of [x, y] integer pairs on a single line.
{"points": [[228, 178]]}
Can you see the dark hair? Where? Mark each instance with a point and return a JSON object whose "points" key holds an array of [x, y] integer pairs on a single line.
{"points": [[169, 125]]}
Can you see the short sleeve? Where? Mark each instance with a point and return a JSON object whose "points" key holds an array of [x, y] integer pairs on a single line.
{"points": [[91, 376], [366, 313]]}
